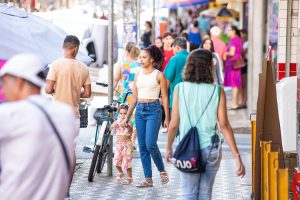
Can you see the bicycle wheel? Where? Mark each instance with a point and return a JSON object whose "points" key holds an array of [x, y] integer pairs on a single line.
{"points": [[95, 159], [102, 161]]}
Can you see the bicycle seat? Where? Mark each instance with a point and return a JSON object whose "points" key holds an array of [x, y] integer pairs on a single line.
{"points": [[110, 108]]}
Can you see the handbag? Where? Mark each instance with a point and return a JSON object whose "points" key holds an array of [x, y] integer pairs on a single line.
{"points": [[187, 156], [238, 63]]}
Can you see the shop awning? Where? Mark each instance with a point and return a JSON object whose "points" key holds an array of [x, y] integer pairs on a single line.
{"points": [[182, 3], [220, 13], [230, 1]]}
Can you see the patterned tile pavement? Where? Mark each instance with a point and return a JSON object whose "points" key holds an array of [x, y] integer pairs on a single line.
{"points": [[227, 186]]}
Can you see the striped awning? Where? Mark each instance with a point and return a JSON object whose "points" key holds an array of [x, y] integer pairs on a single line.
{"points": [[182, 3]]}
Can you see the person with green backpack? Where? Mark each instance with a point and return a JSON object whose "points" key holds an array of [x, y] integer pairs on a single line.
{"points": [[198, 106]]}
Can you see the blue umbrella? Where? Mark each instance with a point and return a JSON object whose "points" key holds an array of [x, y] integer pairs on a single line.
{"points": [[24, 32]]}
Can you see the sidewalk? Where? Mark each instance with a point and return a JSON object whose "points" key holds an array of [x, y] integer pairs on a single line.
{"points": [[227, 185]]}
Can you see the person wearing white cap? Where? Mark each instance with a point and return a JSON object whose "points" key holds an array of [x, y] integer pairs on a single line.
{"points": [[36, 150], [219, 45]]}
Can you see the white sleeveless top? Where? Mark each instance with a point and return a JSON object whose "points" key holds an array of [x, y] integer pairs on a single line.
{"points": [[147, 85]]}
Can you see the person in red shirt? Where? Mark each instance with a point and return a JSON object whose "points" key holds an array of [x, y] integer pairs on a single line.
{"points": [[168, 39]]}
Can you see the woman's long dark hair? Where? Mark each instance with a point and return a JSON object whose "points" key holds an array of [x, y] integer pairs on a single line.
{"points": [[156, 54], [198, 68], [212, 48], [236, 30]]}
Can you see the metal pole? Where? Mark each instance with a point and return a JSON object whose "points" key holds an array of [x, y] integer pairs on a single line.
{"points": [[288, 37], [110, 76], [138, 22], [153, 22]]}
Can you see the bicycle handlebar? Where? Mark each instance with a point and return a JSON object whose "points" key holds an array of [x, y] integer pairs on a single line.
{"points": [[115, 101], [102, 84]]}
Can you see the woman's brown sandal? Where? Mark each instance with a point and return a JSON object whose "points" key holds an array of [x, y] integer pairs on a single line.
{"points": [[164, 178], [119, 177], [128, 181], [144, 184]]}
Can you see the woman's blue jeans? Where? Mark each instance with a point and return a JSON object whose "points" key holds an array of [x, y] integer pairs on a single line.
{"points": [[198, 186], [148, 120]]}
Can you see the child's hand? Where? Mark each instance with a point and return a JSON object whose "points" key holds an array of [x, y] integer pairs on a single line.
{"points": [[115, 126]]}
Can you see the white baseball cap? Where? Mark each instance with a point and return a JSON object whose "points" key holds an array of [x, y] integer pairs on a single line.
{"points": [[26, 66]]}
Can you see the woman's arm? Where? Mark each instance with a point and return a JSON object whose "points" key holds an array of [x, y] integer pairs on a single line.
{"points": [[133, 102], [130, 127], [228, 133], [165, 97], [174, 125], [117, 75], [231, 51]]}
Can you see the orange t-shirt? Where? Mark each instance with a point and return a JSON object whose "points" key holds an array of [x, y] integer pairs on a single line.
{"points": [[70, 76]]}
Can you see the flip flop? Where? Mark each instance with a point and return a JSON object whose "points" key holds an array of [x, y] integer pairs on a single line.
{"points": [[144, 184], [119, 178], [234, 108], [164, 178], [128, 181]]}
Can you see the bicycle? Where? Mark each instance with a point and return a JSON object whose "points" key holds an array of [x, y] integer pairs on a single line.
{"points": [[104, 118]]}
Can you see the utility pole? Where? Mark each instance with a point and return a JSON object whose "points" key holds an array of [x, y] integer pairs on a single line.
{"points": [[110, 78], [153, 22], [138, 21]]}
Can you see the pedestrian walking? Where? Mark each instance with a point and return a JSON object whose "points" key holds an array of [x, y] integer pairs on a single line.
{"points": [[124, 147], [167, 49], [203, 24], [68, 80], [217, 69], [149, 83], [146, 37], [200, 104], [185, 35], [195, 36], [219, 45], [126, 70], [159, 43], [232, 76], [173, 71], [124, 74], [36, 135]]}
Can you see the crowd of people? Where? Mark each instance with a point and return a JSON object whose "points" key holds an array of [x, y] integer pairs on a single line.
{"points": [[192, 67], [176, 84]]}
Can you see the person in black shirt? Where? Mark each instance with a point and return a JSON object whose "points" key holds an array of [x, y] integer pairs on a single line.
{"points": [[146, 37]]}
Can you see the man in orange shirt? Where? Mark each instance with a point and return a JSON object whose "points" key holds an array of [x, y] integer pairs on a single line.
{"points": [[68, 79]]}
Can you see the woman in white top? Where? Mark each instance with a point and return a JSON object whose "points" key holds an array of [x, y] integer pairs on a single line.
{"points": [[146, 89]]}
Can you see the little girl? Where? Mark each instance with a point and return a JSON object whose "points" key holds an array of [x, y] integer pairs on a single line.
{"points": [[124, 147]]}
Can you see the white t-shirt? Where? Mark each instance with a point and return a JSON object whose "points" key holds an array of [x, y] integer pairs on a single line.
{"points": [[32, 161]]}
